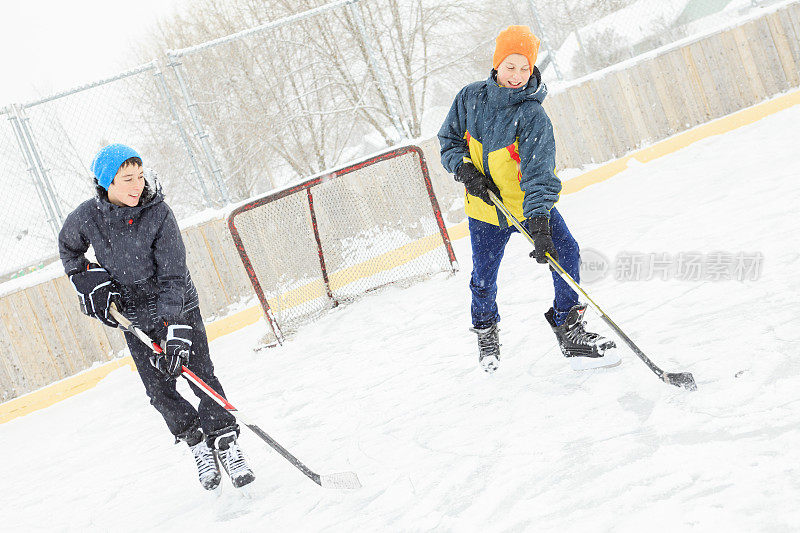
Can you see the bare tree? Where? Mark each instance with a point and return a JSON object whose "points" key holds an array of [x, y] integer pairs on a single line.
{"points": [[298, 99]]}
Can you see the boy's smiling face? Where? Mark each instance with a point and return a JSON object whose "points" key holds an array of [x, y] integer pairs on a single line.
{"points": [[514, 72], [127, 187]]}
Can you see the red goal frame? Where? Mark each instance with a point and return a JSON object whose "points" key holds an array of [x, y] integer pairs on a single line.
{"points": [[307, 186]]}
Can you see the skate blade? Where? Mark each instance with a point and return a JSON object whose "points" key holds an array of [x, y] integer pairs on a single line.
{"points": [[213, 486], [589, 363], [243, 481], [490, 364], [239, 482]]}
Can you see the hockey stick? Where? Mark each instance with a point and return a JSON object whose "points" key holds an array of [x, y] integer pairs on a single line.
{"points": [[340, 480], [679, 379]]}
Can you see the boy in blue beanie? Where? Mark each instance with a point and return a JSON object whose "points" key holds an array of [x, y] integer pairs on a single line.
{"points": [[498, 137], [136, 239]]}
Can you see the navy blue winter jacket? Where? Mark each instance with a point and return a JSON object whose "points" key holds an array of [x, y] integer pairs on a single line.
{"points": [[508, 136], [142, 249]]}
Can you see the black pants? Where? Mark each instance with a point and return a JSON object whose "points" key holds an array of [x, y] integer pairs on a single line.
{"points": [[178, 413]]}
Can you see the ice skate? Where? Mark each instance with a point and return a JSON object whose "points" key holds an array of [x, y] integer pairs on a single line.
{"points": [[232, 459], [583, 349], [207, 468], [488, 347]]}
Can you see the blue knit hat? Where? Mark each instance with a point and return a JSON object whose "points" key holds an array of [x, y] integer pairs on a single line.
{"points": [[108, 160]]}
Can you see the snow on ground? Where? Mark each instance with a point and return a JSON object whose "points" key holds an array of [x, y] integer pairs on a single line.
{"points": [[389, 387]]}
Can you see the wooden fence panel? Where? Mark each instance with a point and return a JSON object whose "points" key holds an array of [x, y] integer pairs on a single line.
{"points": [[568, 150], [83, 328], [791, 18], [19, 382], [223, 298], [766, 59], [586, 119], [559, 127], [695, 85], [748, 63], [633, 112], [226, 260], [772, 53], [597, 126], [662, 83], [625, 129], [53, 349], [687, 104], [648, 101], [791, 23], [24, 332], [202, 270], [579, 144], [583, 140], [784, 48], [8, 373], [730, 55], [610, 117], [723, 83], [707, 84], [57, 317]]}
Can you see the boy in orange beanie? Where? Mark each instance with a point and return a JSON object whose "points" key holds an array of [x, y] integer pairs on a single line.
{"points": [[498, 137]]}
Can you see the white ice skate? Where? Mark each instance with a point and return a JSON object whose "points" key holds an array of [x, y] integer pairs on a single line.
{"points": [[232, 459], [207, 468]]}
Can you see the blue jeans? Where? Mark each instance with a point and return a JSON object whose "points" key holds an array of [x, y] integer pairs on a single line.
{"points": [[488, 245]]}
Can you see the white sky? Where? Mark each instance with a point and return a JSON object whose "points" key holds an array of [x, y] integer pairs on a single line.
{"points": [[48, 46]]}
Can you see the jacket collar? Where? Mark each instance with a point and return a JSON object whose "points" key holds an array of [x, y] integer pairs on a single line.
{"points": [[151, 195], [501, 97]]}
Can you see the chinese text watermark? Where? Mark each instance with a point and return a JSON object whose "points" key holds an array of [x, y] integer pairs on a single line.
{"points": [[682, 266]]}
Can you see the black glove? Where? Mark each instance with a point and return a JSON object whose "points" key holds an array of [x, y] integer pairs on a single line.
{"points": [[175, 339], [96, 291], [539, 228], [476, 183]]}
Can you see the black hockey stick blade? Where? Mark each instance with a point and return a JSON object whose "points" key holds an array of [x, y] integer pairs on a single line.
{"points": [[680, 379], [339, 480]]}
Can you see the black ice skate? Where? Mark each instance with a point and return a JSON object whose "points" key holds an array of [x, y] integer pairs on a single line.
{"points": [[232, 459], [488, 347], [583, 349], [207, 468]]}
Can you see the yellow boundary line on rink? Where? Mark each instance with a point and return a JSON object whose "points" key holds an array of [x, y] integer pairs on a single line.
{"points": [[65, 388]]}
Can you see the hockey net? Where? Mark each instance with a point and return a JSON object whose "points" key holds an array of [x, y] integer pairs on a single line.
{"points": [[325, 241]]}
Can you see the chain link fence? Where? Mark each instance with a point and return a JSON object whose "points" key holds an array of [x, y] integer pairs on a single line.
{"points": [[27, 223], [288, 97], [69, 129], [49, 144], [242, 114], [581, 37]]}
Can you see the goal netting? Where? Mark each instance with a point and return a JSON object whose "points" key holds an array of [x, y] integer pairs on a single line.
{"points": [[325, 241]]}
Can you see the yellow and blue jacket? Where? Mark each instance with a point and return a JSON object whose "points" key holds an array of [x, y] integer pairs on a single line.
{"points": [[508, 136]]}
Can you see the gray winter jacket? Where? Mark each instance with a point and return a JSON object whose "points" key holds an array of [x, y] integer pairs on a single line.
{"points": [[142, 249]]}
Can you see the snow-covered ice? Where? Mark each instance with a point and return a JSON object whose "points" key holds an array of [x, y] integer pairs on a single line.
{"points": [[389, 387]]}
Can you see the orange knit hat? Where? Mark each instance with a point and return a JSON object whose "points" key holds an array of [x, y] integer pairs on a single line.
{"points": [[516, 40]]}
